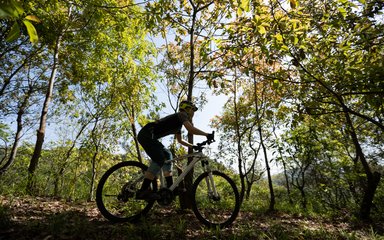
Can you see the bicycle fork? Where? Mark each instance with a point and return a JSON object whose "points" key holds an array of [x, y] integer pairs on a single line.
{"points": [[211, 187]]}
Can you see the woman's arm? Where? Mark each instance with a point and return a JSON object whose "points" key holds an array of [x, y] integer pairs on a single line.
{"points": [[181, 141], [193, 130]]}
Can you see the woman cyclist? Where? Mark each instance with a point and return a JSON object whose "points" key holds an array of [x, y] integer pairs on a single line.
{"points": [[149, 137]]}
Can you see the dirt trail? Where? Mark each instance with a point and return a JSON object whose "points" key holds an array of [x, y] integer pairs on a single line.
{"points": [[46, 218]]}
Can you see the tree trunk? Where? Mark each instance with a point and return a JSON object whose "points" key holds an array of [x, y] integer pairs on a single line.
{"points": [[258, 121], [287, 182], [19, 129], [271, 191], [248, 190], [303, 198], [93, 177], [134, 134], [302, 191], [96, 143], [185, 200], [131, 114], [43, 121], [373, 178]]}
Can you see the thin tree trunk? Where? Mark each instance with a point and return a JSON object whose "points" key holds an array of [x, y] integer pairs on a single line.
{"points": [[248, 190], [43, 121], [271, 191], [287, 182], [92, 186], [258, 120], [185, 200], [7, 80], [96, 143], [285, 172], [19, 129], [132, 116], [373, 178], [302, 191], [137, 146], [239, 149]]}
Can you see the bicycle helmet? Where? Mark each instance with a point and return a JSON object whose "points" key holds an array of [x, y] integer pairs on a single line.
{"points": [[184, 105]]}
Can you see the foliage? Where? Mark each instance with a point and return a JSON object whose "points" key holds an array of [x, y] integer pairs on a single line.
{"points": [[13, 11]]}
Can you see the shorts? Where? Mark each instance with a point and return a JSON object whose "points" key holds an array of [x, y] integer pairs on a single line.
{"points": [[155, 150]]}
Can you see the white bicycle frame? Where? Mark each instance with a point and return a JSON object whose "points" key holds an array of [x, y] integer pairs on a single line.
{"points": [[197, 156]]}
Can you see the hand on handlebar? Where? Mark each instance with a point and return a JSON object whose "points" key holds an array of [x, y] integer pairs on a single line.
{"points": [[211, 137], [199, 146], [196, 148]]}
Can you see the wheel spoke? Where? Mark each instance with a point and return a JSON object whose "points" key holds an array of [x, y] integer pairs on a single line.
{"points": [[214, 210], [115, 195]]}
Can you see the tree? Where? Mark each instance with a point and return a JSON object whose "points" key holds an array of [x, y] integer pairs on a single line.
{"points": [[20, 61], [56, 45], [237, 125], [107, 60], [327, 50], [22, 106], [304, 151], [344, 59]]}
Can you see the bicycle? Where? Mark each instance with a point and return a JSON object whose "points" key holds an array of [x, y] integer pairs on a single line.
{"points": [[215, 198]]}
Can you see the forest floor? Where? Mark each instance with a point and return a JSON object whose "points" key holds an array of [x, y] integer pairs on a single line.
{"points": [[47, 218]]}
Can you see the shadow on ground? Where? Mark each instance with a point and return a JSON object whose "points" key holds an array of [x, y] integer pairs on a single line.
{"points": [[45, 218]]}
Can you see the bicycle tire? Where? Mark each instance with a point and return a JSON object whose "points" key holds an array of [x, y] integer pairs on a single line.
{"points": [[215, 212], [110, 189]]}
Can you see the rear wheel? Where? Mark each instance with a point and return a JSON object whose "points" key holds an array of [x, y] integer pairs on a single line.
{"points": [[115, 193], [215, 210]]}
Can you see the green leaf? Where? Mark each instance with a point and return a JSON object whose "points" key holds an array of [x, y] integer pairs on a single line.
{"points": [[33, 18], [10, 9], [342, 11], [295, 40], [276, 84], [284, 47], [33, 37], [261, 29], [278, 37], [14, 33], [239, 11], [245, 5], [3, 13], [293, 3]]}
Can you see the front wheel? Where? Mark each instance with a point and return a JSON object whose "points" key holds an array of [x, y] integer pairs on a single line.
{"points": [[115, 193], [218, 209]]}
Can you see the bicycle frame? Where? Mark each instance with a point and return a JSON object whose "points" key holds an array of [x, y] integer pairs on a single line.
{"points": [[197, 156]]}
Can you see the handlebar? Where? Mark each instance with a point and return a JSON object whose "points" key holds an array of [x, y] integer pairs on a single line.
{"points": [[200, 146]]}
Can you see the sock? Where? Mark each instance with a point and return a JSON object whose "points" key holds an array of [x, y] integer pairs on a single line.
{"points": [[169, 181], [145, 184]]}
